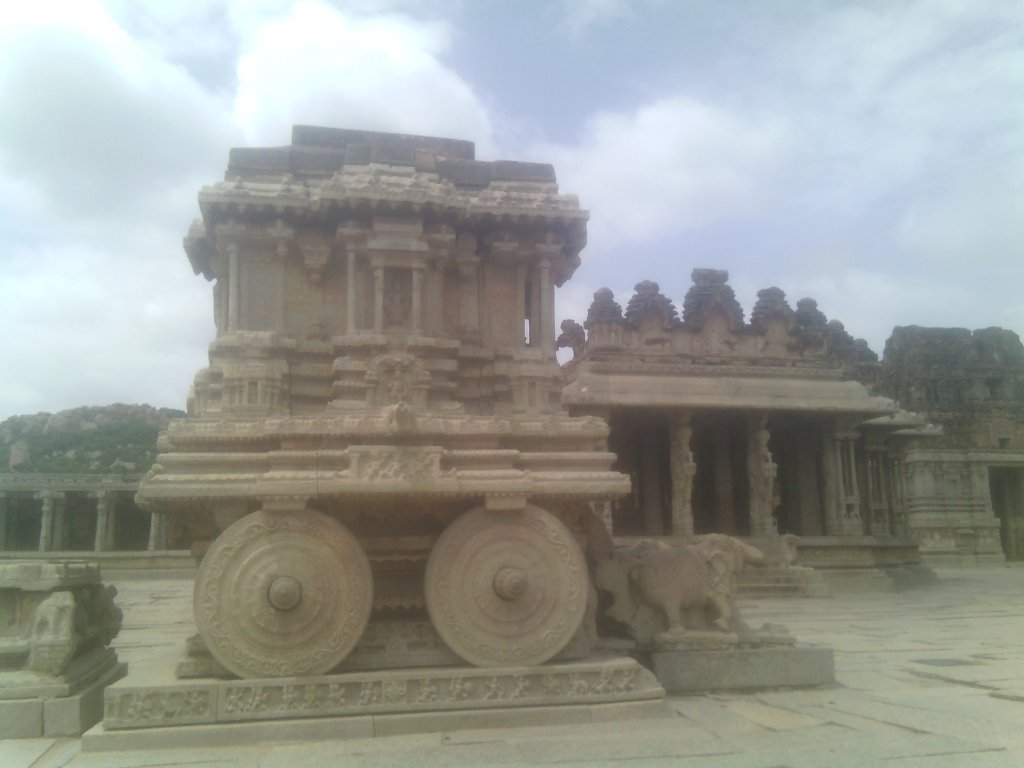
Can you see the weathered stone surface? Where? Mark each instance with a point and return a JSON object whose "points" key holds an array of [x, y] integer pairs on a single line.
{"points": [[56, 621], [506, 587], [378, 438], [148, 698], [663, 594], [697, 671], [283, 594]]}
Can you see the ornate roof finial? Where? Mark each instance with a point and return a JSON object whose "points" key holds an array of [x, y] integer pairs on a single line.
{"points": [[771, 302], [710, 288], [604, 309], [648, 301]]}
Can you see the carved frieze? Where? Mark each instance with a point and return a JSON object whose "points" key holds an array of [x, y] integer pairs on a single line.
{"points": [[371, 463], [414, 690]]}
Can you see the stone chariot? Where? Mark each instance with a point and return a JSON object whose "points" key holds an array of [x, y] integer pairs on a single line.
{"points": [[378, 439]]}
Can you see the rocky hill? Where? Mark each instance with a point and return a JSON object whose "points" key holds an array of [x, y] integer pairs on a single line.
{"points": [[112, 439]]}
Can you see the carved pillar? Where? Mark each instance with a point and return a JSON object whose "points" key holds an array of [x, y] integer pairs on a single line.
{"points": [[352, 295], [724, 497], [761, 474], [683, 469], [417, 300], [103, 521], [3, 521], [842, 498], [378, 299], [546, 308], [234, 288]]}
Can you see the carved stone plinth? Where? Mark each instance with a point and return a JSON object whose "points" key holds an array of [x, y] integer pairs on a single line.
{"points": [[56, 621], [152, 698]]}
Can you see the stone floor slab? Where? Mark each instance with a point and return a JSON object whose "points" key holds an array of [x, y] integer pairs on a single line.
{"points": [[879, 713], [22, 753]]}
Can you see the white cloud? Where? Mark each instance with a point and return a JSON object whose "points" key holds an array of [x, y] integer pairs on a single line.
{"points": [[84, 328], [578, 16], [669, 166], [318, 66], [94, 121]]}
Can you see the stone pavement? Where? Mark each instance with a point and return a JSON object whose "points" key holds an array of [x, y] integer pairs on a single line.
{"points": [[929, 677]]}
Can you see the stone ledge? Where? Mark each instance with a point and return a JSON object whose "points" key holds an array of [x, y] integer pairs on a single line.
{"points": [[744, 669], [151, 697], [101, 739]]}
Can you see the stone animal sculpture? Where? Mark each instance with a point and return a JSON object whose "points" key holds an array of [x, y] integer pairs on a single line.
{"points": [[663, 592]]}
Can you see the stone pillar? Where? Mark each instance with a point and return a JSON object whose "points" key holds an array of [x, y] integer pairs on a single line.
{"points": [[650, 487], [545, 311], [50, 529], [3, 521], [469, 297], [112, 519], [897, 499], [157, 532], [842, 498], [725, 499], [521, 301], [104, 523], [417, 300], [879, 492], [378, 299], [352, 295], [761, 475], [234, 288], [830, 484], [683, 469]]}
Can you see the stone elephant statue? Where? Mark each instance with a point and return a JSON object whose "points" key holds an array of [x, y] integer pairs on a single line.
{"points": [[661, 592]]}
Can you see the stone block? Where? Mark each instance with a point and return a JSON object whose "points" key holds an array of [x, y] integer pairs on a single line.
{"points": [[21, 719], [71, 715], [510, 170], [469, 173], [316, 160], [696, 671], [248, 160]]}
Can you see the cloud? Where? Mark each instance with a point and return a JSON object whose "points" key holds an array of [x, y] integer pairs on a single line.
{"points": [[103, 146], [132, 335], [671, 165], [579, 16], [93, 121], [319, 66]]}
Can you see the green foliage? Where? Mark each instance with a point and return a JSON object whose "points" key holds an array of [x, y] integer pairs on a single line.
{"points": [[95, 441]]}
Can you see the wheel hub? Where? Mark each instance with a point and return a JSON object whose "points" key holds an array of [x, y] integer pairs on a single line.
{"points": [[284, 593]]}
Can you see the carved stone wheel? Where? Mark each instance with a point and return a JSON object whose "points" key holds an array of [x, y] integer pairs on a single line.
{"points": [[283, 594], [506, 587]]}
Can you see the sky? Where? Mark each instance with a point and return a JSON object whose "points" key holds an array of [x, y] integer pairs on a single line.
{"points": [[867, 154]]}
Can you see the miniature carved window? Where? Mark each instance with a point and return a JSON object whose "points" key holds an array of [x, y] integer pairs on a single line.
{"points": [[397, 299]]}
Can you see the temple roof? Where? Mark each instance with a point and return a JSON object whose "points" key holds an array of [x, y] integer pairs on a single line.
{"points": [[725, 392]]}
